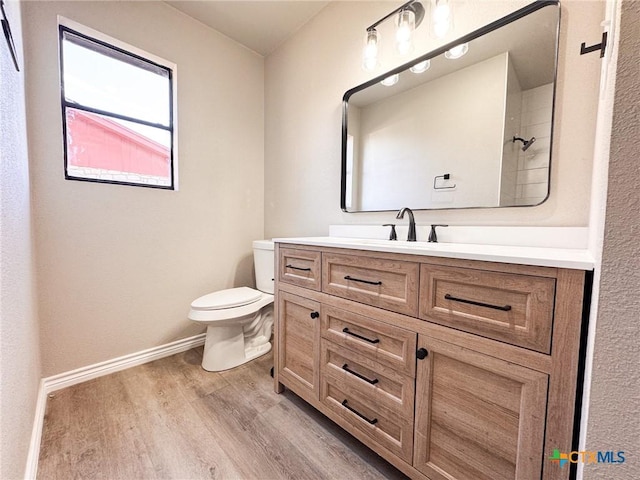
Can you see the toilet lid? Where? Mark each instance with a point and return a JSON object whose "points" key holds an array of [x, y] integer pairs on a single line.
{"points": [[233, 297]]}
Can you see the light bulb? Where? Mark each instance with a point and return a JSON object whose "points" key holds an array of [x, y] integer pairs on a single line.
{"points": [[457, 51], [421, 66], [370, 51], [441, 18], [390, 80], [404, 31]]}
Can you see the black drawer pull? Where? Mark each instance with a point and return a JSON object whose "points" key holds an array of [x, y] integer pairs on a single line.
{"points": [[298, 268], [375, 340], [353, 410], [346, 368], [368, 282], [504, 308], [314, 315]]}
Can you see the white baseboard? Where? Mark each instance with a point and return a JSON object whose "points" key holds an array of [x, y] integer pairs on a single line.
{"points": [[36, 435], [66, 379], [73, 377]]}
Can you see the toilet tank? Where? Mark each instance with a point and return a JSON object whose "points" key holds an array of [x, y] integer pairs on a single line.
{"points": [[263, 262]]}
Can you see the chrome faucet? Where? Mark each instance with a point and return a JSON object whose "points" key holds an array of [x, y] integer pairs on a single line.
{"points": [[411, 237]]}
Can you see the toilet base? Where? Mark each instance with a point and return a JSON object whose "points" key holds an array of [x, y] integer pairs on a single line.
{"points": [[255, 352], [232, 345]]}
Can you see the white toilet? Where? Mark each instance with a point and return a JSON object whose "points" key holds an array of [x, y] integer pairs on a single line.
{"points": [[238, 320]]}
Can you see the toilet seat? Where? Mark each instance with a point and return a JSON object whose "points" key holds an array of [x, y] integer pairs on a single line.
{"points": [[202, 311], [230, 298]]}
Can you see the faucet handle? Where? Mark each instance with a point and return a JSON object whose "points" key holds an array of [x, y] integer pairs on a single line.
{"points": [[433, 238], [392, 233]]}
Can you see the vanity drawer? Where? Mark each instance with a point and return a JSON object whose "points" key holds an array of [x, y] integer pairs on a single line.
{"points": [[388, 284], [388, 429], [513, 308], [387, 344], [381, 384], [299, 267]]}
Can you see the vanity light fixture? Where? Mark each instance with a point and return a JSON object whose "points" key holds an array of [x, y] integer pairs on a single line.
{"points": [[421, 67], [457, 51], [404, 31], [370, 52], [390, 80], [409, 16], [441, 17]]}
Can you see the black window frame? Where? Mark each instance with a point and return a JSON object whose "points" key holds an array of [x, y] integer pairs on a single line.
{"points": [[120, 52]]}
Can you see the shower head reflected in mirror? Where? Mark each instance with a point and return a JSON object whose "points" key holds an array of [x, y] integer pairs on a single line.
{"points": [[525, 143]]}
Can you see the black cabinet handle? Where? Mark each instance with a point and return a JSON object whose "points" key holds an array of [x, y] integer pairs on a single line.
{"points": [[314, 315], [346, 368], [504, 308], [353, 410], [298, 268], [368, 282], [422, 353], [375, 340]]}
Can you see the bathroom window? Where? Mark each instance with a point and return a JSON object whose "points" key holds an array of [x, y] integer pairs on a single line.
{"points": [[117, 111]]}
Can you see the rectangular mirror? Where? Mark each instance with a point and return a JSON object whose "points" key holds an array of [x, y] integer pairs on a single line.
{"points": [[467, 132]]}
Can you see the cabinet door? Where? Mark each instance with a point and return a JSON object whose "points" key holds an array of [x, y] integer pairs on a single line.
{"points": [[477, 417], [299, 344]]}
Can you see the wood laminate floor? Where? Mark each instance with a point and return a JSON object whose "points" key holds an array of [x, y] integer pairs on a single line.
{"points": [[170, 419]]}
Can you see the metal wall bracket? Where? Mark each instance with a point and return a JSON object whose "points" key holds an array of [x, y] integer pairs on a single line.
{"points": [[594, 48]]}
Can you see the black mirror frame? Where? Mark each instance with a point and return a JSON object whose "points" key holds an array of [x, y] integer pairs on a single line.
{"points": [[510, 18], [6, 28]]}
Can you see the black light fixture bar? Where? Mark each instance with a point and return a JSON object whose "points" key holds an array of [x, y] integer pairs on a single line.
{"points": [[405, 6]]}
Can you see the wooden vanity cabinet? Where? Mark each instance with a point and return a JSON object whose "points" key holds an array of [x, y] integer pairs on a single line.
{"points": [[298, 341], [450, 369]]}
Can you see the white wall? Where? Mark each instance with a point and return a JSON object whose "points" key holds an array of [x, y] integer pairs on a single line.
{"points": [[119, 265], [307, 76], [511, 149], [434, 139], [19, 345], [614, 403], [533, 164]]}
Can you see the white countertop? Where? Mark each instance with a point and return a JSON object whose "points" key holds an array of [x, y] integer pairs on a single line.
{"points": [[575, 258]]}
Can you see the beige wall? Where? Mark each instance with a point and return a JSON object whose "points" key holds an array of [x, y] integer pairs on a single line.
{"points": [[307, 76], [118, 265], [19, 346], [614, 408]]}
